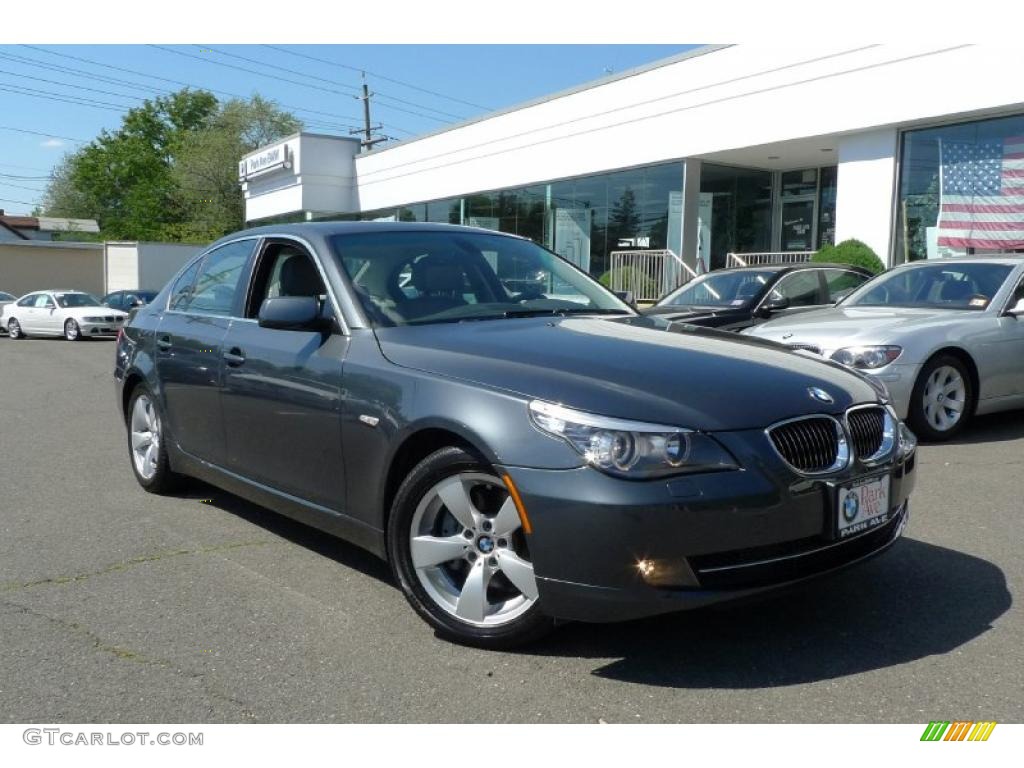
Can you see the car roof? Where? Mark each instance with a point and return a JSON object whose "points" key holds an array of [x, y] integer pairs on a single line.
{"points": [[780, 268], [330, 228], [1008, 259]]}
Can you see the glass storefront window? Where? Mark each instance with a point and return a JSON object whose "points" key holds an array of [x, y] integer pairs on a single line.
{"points": [[735, 212], [961, 190], [827, 205]]}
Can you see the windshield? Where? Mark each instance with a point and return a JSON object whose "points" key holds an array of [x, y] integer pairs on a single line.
{"points": [[77, 300], [933, 286], [420, 277], [725, 289]]}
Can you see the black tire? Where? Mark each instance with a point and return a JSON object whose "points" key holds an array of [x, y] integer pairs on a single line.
{"points": [[163, 479], [928, 424], [14, 329], [72, 331], [438, 466]]}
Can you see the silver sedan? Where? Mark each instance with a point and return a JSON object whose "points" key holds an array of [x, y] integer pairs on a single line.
{"points": [[945, 336]]}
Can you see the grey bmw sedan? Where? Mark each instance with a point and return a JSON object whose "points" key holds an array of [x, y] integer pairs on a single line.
{"points": [[520, 445]]}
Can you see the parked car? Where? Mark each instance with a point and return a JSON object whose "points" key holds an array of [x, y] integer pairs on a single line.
{"points": [[733, 299], [75, 315], [128, 300], [515, 458], [945, 336], [5, 299]]}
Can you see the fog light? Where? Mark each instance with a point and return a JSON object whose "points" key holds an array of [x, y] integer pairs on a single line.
{"points": [[666, 573]]}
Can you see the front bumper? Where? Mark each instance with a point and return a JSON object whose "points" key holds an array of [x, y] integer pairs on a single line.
{"points": [[899, 380], [721, 536], [99, 329]]}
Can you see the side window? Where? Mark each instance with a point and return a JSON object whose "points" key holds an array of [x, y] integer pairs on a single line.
{"points": [[841, 281], [44, 301], [284, 270], [28, 301], [182, 290], [217, 282], [801, 288]]}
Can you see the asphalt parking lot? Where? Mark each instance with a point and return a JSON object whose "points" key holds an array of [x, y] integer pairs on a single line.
{"points": [[120, 606]]}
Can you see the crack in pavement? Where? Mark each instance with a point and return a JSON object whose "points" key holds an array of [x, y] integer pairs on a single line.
{"points": [[126, 654], [124, 565]]}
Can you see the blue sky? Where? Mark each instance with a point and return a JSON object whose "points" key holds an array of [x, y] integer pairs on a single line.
{"points": [[420, 88]]}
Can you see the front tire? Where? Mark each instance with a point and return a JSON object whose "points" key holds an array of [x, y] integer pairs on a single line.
{"points": [[14, 329], [147, 448], [943, 399], [71, 331], [460, 555]]}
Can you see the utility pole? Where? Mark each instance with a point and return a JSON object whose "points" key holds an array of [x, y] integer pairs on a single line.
{"points": [[368, 127]]}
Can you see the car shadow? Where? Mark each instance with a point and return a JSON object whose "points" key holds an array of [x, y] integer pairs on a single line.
{"points": [[915, 601], [339, 550], [992, 428]]}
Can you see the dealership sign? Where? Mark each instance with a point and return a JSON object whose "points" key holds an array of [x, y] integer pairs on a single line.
{"points": [[268, 160]]}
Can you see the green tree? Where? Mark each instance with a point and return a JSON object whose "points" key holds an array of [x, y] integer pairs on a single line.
{"points": [[205, 173], [170, 172]]}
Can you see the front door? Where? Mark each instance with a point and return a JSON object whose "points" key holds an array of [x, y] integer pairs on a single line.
{"points": [[188, 349], [797, 220], [283, 389]]}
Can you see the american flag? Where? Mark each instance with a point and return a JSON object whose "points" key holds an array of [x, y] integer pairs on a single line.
{"points": [[982, 194]]}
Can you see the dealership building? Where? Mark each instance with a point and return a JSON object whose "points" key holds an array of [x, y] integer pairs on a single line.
{"points": [[915, 149]]}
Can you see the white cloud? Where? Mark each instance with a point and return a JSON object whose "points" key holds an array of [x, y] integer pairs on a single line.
{"points": [[52, 143]]}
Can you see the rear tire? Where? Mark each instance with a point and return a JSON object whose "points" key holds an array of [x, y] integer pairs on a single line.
{"points": [[460, 556], [943, 399], [14, 329], [147, 447]]}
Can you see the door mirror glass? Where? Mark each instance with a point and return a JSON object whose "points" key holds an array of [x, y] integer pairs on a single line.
{"points": [[291, 313]]}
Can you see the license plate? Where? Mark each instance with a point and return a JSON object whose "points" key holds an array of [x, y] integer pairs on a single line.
{"points": [[862, 505]]}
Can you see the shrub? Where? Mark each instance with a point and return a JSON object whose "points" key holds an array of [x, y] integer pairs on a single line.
{"points": [[632, 280], [852, 252]]}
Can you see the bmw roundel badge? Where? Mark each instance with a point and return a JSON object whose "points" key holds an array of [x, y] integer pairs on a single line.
{"points": [[850, 507], [820, 395]]}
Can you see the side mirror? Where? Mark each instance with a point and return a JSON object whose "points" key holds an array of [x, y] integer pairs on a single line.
{"points": [[627, 297], [291, 313], [1017, 309], [773, 304]]}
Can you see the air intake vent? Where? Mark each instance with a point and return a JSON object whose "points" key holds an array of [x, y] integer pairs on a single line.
{"points": [[870, 432], [812, 445]]}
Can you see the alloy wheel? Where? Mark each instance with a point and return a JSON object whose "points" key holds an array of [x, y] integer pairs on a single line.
{"points": [[13, 329], [71, 330], [469, 552], [944, 398], [145, 429]]}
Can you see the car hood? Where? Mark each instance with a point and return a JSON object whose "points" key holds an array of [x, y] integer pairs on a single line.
{"points": [[81, 312], [633, 369], [850, 326]]}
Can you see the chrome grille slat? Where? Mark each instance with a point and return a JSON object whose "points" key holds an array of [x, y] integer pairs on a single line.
{"points": [[810, 444]]}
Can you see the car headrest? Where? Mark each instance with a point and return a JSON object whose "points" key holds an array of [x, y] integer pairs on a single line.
{"points": [[438, 274], [299, 277], [956, 290]]}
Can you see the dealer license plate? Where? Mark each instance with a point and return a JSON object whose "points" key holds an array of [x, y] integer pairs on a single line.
{"points": [[862, 505]]}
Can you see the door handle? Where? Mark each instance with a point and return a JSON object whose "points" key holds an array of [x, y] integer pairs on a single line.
{"points": [[163, 343], [234, 357]]}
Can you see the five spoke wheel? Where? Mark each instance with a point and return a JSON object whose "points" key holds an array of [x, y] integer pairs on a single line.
{"points": [[145, 437]]}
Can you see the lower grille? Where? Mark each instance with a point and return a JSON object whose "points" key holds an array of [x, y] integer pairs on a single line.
{"points": [[777, 564], [811, 445], [867, 430], [814, 349]]}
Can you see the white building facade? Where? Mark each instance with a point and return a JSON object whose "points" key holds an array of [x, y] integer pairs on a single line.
{"points": [[915, 149]]}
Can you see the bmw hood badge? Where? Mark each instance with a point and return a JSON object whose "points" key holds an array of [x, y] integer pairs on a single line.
{"points": [[820, 395]]}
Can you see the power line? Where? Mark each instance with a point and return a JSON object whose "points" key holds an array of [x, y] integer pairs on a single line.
{"points": [[36, 133], [379, 77], [335, 82], [19, 186], [70, 85], [51, 96], [95, 63], [19, 202]]}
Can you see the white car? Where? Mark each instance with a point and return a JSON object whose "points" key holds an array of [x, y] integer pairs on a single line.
{"points": [[72, 314]]}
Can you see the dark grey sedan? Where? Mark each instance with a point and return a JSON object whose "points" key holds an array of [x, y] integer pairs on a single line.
{"points": [[520, 451]]}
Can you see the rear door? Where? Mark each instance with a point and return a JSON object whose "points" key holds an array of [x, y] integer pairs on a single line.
{"points": [[283, 389], [188, 348], [839, 283]]}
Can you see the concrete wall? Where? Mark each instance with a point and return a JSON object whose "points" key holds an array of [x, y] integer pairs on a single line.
{"points": [[32, 265], [158, 263], [866, 188]]}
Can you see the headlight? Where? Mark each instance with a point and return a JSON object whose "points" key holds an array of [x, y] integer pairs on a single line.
{"points": [[866, 358], [631, 448], [907, 441]]}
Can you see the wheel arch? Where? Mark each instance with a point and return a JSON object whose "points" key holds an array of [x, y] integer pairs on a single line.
{"points": [[416, 445], [967, 359]]}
